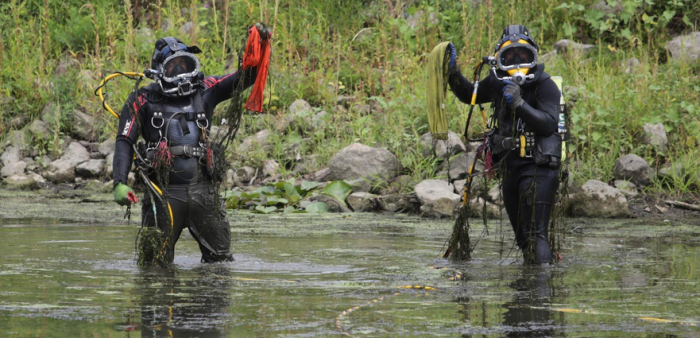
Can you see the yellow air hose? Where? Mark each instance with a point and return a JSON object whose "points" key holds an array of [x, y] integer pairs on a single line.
{"points": [[102, 85]]}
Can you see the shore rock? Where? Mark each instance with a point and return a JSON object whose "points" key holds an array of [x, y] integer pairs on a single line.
{"points": [[633, 168], [12, 154], [597, 199], [685, 47], [437, 198], [39, 128], [83, 126], [270, 168], [655, 136], [63, 169], [439, 147], [399, 202], [632, 65], [12, 169], [244, 174], [568, 46], [20, 182], [91, 168], [333, 204], [299, 106], [107, 146], [361, 201], [671, 171], [627, 188], [360, 161], [459, 165], [261, 139], [493, 211], [109, 170]]}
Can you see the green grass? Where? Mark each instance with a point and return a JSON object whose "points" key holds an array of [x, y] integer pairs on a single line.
{"points": [[316, 58]]}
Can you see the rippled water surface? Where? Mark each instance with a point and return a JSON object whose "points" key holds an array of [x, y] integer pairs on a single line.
{"points": [[68, 270]]}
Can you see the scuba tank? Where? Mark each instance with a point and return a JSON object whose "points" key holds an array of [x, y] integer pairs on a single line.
{"points": [[561, 126]]}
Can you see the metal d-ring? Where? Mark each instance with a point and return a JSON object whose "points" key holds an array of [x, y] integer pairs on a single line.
{"points": [[200, 126], [157, 116]]}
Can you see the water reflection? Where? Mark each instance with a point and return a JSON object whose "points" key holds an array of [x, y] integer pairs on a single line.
{"points": [[185, 303], [525, 315]]}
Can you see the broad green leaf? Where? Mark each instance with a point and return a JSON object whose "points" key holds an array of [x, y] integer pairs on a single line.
{"points": [[309, 185], [261, 209], [338, 189], [317, 208], [232, 202]]}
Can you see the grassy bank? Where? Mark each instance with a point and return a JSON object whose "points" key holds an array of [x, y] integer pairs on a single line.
{"points": [[375, 51]]}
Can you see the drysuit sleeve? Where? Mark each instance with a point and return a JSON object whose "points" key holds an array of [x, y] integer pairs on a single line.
{"points": [[463, 89], [127, 134], [543, 118], [221, 88]]}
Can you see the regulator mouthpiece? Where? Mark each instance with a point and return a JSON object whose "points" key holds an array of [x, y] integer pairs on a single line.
{"points": [[519, 78]]}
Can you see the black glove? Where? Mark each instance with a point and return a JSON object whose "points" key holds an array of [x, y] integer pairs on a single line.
{"points": [[513, 94]]}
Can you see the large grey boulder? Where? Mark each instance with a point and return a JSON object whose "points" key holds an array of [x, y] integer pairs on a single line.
{"points": [[63, 169], [437, 198], [360, 201], [20, 182], [361, 161], [655, 136], [90, 168], [633, 168], [441, 149], [12, 154], [261, 140], [15, 168], [597, 199], [685, 47]]}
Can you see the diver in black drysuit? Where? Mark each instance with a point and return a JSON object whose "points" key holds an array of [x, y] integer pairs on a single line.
{"points": [[529, 183], [179, 112]]}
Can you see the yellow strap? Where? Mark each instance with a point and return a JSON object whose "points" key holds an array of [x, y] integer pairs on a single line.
{"points": [[522, 145]]}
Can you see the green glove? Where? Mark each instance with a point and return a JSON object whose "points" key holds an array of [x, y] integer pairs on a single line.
{"points": [[124, 195]]}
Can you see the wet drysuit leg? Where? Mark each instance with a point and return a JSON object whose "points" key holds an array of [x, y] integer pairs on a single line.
{"points": [[528, 198], [208, 223], [193, 206], [177, 196]]}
